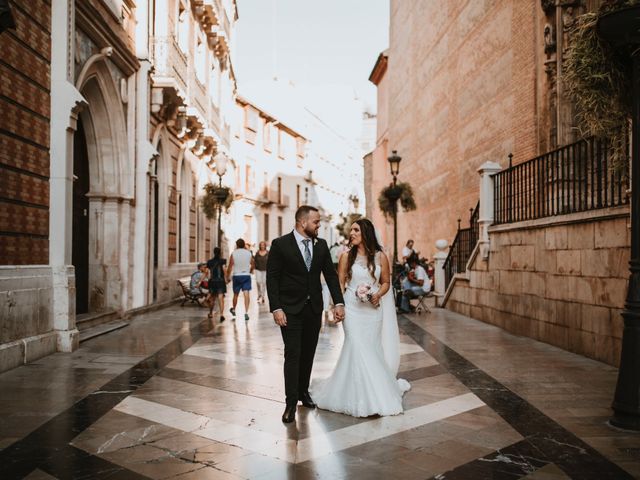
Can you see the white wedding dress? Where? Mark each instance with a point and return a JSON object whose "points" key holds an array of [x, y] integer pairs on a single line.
{"points": [[364, 382]]}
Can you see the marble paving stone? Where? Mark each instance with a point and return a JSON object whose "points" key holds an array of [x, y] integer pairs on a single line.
{"points": [[197, 400], [38, 474], [548, 472]]}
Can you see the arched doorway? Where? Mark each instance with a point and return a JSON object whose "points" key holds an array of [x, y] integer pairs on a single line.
{"points": [[102, 196], [80, 238]]}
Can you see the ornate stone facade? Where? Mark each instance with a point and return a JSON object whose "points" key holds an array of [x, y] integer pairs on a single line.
{"points": [[117, 108]]}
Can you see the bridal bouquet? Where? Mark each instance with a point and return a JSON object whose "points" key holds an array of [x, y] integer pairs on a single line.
{"points": [[364, 292]]}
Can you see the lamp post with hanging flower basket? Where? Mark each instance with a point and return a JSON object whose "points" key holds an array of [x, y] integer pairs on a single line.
{"points": [[218, 196], [388, 200]]}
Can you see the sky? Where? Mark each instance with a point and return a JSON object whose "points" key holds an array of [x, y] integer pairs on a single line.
{"points": [[320, 51]]}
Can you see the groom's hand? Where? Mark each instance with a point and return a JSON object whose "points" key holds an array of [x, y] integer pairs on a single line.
{"points": [[338, 313], [280, 318]]}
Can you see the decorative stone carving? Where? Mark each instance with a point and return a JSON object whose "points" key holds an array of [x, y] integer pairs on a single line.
{"points": [[549, 39]]}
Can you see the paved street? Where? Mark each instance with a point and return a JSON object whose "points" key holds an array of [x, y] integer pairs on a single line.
{"points": [[174, 396]]}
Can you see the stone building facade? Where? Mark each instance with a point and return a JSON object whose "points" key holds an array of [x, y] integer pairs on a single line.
{"points": [[466, 83], [115, 110], [273, 174]]}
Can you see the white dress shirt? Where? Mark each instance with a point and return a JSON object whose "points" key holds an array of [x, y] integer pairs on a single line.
{"points": [[299, 239]]}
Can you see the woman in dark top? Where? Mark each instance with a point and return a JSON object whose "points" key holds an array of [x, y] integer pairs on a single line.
{"points": [[260, 260], [217, 284]]}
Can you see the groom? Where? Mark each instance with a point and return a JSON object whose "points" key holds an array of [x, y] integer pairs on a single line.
{"points": [[295, 299]]}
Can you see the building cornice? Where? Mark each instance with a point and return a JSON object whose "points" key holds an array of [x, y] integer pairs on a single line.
{"points": [[242, 101]]}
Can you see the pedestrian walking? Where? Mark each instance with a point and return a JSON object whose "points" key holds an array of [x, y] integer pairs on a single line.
{"points": [[217, 283], [260, 260], [240, 268]]}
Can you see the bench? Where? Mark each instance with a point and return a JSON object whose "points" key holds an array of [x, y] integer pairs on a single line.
{"points": [[197, 298]]}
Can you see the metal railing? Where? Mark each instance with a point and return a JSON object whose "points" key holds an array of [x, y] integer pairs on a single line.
{"points": [[169, 60], [574, 178], [462, 247]]}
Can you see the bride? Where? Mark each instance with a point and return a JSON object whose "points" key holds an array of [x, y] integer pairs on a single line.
{"points": [[364, 382]]}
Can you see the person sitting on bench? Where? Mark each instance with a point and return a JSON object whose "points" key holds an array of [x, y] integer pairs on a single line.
{"points": [[199, 281], [415, 284]]}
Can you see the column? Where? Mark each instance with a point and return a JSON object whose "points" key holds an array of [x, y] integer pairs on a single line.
{"points": [[486, 213]]}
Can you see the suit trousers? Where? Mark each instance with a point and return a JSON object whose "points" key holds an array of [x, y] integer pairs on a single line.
{"points": [[300, 338]]}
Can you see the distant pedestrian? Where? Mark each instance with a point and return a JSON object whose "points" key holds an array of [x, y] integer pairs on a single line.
{"points": [[260, 260], [240, 268], [217, 283], [407, 251]]}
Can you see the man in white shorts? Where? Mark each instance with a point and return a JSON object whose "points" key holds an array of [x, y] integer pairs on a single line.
{"points": [[239, 270]]}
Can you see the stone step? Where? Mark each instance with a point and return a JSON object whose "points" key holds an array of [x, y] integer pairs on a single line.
{"points": [[85, 321], [101, 329]]}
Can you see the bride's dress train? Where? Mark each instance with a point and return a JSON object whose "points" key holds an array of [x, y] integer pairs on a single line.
{"points": [[364, 382]]}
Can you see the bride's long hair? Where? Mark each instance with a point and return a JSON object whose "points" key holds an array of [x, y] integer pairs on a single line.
{"points": [[371, 247]]}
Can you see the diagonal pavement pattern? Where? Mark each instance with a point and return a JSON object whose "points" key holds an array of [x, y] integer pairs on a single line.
{"points": [[174, 396]]}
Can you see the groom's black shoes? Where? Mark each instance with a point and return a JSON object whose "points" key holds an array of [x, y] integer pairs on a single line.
{"points": [[289, 414], [307, 401]]}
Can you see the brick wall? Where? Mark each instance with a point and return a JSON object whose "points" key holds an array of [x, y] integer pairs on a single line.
{"points": [[561, 284], [25, 59], [462, 86]]}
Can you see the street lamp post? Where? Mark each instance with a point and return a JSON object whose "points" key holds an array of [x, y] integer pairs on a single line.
{"points": [[221, 168], [394, 195]]}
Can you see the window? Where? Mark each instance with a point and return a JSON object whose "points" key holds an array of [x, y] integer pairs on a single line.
{"points": [[266, 228], [183, 28], [279, 190], [265, 183], [266, 135], [250, 124], [201, 62], [297, 196], [251, 118], [249, 183], [306, 195], [279, 226], [214, 85], [248, 230], [280, 144], [300, 147]]}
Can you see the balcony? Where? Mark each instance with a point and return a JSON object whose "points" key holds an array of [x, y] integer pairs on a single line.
{"points": [[170, 65], [199, 98]]}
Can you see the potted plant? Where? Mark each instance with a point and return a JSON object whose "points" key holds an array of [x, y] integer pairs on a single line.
{"points": [[215, 196], [598, 77], [401, 191]]}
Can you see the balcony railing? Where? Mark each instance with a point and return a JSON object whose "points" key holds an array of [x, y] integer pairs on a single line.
{"points": [[199, 98], [462, 247], [575, 178], [169, 61]]}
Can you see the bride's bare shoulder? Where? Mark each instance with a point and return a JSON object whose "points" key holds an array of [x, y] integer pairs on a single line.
{"points": [[381, 257]]}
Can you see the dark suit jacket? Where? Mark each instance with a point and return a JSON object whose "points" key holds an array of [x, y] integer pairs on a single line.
{"points": [[289, 284]]}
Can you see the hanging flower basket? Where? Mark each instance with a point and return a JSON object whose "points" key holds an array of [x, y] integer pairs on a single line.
{"points": [[403, 192], [598, 78], [213, 197]]}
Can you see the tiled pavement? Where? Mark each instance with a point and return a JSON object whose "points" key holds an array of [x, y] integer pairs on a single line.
{"points": [[176, 396]]}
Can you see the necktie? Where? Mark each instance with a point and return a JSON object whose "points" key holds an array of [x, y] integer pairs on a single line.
{"points": [[307, 253]]}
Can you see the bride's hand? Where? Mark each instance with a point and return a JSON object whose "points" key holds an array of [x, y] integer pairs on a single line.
{"points": [[375, 300]]}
